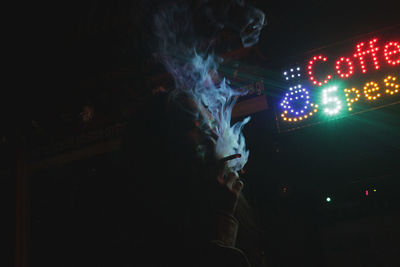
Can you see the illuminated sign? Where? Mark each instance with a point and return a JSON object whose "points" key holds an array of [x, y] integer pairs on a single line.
{"points": [[342, 80]]}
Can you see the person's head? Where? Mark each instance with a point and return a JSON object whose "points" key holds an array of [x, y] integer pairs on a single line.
{"points": [[213, 17]]}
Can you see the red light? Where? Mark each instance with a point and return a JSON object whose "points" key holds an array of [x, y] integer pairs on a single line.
{"points": [[312, 78], [366, 192], [394, 48], [349, 64], [372, 51]]}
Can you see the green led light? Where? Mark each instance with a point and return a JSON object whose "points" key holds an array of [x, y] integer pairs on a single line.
{"points": [[328, 199], [331, 104]]}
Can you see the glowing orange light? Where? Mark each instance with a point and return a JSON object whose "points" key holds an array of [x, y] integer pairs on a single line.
{"points": [[391, 87], [370, 88], [349, 100]]}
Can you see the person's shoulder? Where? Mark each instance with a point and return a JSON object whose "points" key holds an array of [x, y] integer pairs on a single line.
{"points": [[218, 254]]}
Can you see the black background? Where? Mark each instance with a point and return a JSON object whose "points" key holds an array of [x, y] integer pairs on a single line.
{"points": [[70, 62]]}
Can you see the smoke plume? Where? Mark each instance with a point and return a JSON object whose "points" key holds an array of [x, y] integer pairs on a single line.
{"points": [[195, 72]]}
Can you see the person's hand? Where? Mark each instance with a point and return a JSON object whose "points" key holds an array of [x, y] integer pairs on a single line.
{"points": [[227, 191]]}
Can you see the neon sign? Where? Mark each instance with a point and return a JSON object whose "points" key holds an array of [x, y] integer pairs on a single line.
{"points": [[364, 75]]}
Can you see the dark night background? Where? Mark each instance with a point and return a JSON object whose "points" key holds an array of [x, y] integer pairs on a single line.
{"points": [[93, 56]]}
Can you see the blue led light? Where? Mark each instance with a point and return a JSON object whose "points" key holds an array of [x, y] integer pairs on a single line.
{"points": [[299, 111]]}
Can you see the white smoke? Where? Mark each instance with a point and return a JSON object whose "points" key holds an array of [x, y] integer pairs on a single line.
{"points": [[196, 75]]}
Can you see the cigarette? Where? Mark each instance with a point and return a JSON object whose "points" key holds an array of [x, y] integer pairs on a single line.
{"points": [[234, 156]]}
